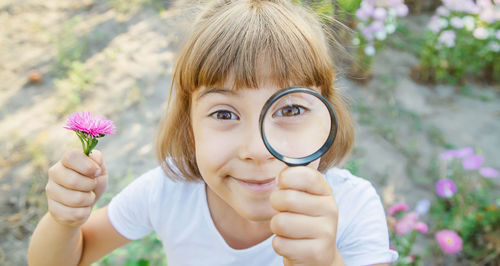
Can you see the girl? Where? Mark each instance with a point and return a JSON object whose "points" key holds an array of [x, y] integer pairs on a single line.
{"points": [[219, 197]]}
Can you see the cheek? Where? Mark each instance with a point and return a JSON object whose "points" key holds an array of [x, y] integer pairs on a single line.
{"points": [[213, 149]]}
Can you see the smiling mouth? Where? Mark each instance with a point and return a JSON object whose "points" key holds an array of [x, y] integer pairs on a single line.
{"points": [[255, 185]]}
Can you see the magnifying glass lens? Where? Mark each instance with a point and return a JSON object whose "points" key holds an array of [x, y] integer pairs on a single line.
{"points": [[297, 124]]}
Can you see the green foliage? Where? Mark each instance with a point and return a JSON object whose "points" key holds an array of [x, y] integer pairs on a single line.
{"points": [[70, 47], [144, 252], [472, 212], [404, 245], [468, 57], [70, 90]]}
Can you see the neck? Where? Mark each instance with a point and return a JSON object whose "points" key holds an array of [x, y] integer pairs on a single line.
{"points": [[237, 231]]}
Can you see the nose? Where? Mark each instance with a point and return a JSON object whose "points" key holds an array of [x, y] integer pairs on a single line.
{"points": [[252, 147]]}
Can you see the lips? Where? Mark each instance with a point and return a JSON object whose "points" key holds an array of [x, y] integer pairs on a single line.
{"points": [[258, 185]]}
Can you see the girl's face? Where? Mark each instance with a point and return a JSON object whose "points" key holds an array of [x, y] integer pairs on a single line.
{"points": [[230, 153]]}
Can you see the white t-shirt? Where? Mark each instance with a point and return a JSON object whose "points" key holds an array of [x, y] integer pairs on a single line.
{"points": [[179, 214]]}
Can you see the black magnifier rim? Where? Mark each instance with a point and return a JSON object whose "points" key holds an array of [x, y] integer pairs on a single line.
{"points": [[290, 161]]}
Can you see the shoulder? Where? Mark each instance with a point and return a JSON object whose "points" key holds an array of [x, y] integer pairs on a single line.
{"points": [[157, 184], [346, 185]]}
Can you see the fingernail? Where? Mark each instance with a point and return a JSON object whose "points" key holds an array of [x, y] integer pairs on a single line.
{"points": [[97, 173]]}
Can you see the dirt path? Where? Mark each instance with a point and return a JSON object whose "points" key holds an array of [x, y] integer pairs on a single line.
{"points": [[124, 72]]}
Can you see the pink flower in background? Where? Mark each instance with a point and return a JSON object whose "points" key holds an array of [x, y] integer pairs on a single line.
{"points": [[406, 224], [459, 153], [488, 172], [434, 24], [481, 33], [464, 152], [487, 15], [447, 38], [445, 188], [443, 11], [469, 22], [422, 206], [398, 207], [472, 162], [379, 13], [449, 241], [457, 22], [395, 3], [421, 227], [376, 26], [88, 128], [93, 126], [467, 6], [402, 10], [365, 11]]}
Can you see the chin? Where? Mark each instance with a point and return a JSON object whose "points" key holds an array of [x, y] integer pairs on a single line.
{"points": [[259, 213]]}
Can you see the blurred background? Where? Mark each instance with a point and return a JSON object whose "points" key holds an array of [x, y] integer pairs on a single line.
{"points": [[422, 82]]}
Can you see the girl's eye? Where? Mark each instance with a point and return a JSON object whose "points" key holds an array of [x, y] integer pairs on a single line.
{"points": [[290, 111], [224, 115]]}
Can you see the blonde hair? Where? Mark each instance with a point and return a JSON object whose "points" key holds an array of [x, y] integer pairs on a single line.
{"points": [[229, 37]]}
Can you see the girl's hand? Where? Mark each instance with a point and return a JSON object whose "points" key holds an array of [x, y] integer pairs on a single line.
{"points": [[306, 225], [75, 183]]}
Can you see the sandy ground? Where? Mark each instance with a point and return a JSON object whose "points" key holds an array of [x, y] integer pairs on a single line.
{"points": [[401, 126]]}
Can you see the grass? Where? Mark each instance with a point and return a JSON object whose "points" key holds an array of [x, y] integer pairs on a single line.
{"points": [[69, 47], [72, 88]]}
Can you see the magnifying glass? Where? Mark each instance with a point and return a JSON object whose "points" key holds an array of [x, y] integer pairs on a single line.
{"points": [[298, 125]]}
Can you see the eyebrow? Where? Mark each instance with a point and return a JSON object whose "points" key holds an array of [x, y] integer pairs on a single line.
{"points": [[215, 90]]}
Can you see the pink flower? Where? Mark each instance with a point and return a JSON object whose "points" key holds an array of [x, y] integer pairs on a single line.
{"points": [[488, 172], [402, 10], [422, 206], [394, 3], [487, 15], [406, 224], [449, 241], [447, 38], [459, 153], [445, 188], [376, 26], [398, 208], [421, 227], [434, 24], [443, 11], [88, 128], [379, 13], [481, 33], [457, 22], [472, 162], [93, 126], [365, 11], [464, 152]]}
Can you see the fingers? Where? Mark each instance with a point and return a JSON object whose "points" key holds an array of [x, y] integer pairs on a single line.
{"points": [[69, 198], [71, 179], [288, 200], [304, 179], [81, 163], [298, 226], [74, 185]]}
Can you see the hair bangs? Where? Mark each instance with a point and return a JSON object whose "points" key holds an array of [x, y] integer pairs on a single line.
{"points": [[249, 45]]}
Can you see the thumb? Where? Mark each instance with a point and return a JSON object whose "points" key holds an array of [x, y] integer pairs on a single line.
{"points": [[96, 156]]}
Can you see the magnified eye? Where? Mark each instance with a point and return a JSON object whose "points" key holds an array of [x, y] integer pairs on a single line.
{"points": [[224, 115], [290, 111]]}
